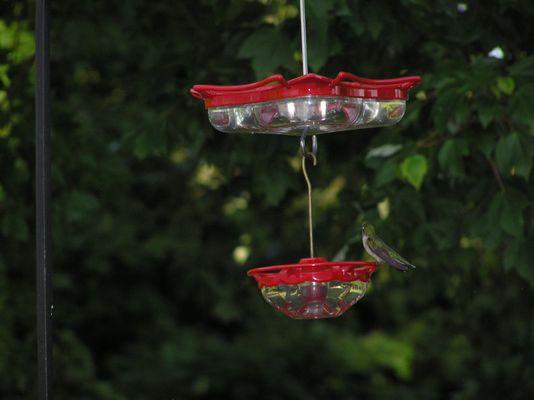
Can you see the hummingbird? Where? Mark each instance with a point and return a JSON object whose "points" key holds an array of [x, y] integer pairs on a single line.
{"points": [[380, 251]]}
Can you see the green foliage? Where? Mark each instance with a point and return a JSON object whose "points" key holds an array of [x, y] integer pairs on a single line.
{"points": [[157, 217], [414, 169], [264, 48], [506, 85], [451, 155], [374, 351], [512, 156]]}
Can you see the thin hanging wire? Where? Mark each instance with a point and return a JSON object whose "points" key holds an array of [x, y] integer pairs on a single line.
{"points": [[304, 151], [43, 202], [305, 155], [303, 37]]}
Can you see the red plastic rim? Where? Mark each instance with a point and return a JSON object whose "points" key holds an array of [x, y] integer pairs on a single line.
{"points": [[313, 270], [276, 87]]}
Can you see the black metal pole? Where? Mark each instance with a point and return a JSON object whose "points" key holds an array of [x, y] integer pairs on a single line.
{"points": [[43, 198]]}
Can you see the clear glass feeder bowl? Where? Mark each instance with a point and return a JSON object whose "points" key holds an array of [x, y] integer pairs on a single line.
{"points": [[310, 104], [310, 115], [314, 288]]}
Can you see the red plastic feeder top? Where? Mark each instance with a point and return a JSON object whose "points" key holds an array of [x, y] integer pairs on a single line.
{"points": [[314, 288], [310, 104]]}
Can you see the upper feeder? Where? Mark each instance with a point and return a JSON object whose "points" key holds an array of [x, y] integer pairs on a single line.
{"points": [[310, 104]]}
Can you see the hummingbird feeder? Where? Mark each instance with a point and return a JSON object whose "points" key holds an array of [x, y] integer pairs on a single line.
{"points": [[314, 288], [308, 105]]}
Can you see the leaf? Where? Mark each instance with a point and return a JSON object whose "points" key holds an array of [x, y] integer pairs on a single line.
{"points": [[273, 185], [13, 225], [487, 112], [414, 169], [486, 145], [524, 167], [515, 254], [385, 150], [523, 68], [506, 85], [4, 75], [494, 211], [383, 208], [374, 350], [450, 156], [451, 110], [511, 155], [80, 205], [386, 173], [374, 20], [149, 142], [523, 263], [520, 104], [18, 40], [268, 49], [511, 220], [508, 148], [318, 43], [491, 223]]}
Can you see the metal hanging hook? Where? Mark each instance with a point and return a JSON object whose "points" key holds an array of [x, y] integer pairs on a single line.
{"points": [[305, 153], [310, 207], [304, 150]]}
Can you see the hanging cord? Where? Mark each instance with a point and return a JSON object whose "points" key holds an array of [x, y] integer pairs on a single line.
{"points": [[305, 155], [303, 37]]}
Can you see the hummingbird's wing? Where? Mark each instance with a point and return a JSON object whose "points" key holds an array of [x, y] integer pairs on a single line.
{"points": [[388, 255]]}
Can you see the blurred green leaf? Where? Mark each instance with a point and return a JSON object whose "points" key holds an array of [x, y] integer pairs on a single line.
{"points": [[386, 173], [523, 68], [386, 150], [511, 154], [268, 49], [512, 217], [375, 350], [319, 43], [413, 169], [520, 104], [486, 145], [487, 112], [80, 206], [506, 85], [516, 255], [451, 155], [15, 226]]}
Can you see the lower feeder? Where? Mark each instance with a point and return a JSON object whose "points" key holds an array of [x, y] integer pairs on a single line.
{"points": [[314, 288], [310, 104]]}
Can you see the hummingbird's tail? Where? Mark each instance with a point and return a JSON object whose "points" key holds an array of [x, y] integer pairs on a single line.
{"points": [[401, 266]]}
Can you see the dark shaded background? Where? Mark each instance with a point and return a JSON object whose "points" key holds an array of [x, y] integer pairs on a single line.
{"points": [[157, 217]]}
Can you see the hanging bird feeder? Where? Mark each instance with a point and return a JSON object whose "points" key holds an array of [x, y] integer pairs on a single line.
{"points": [[308, 105], [314, 288]]}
